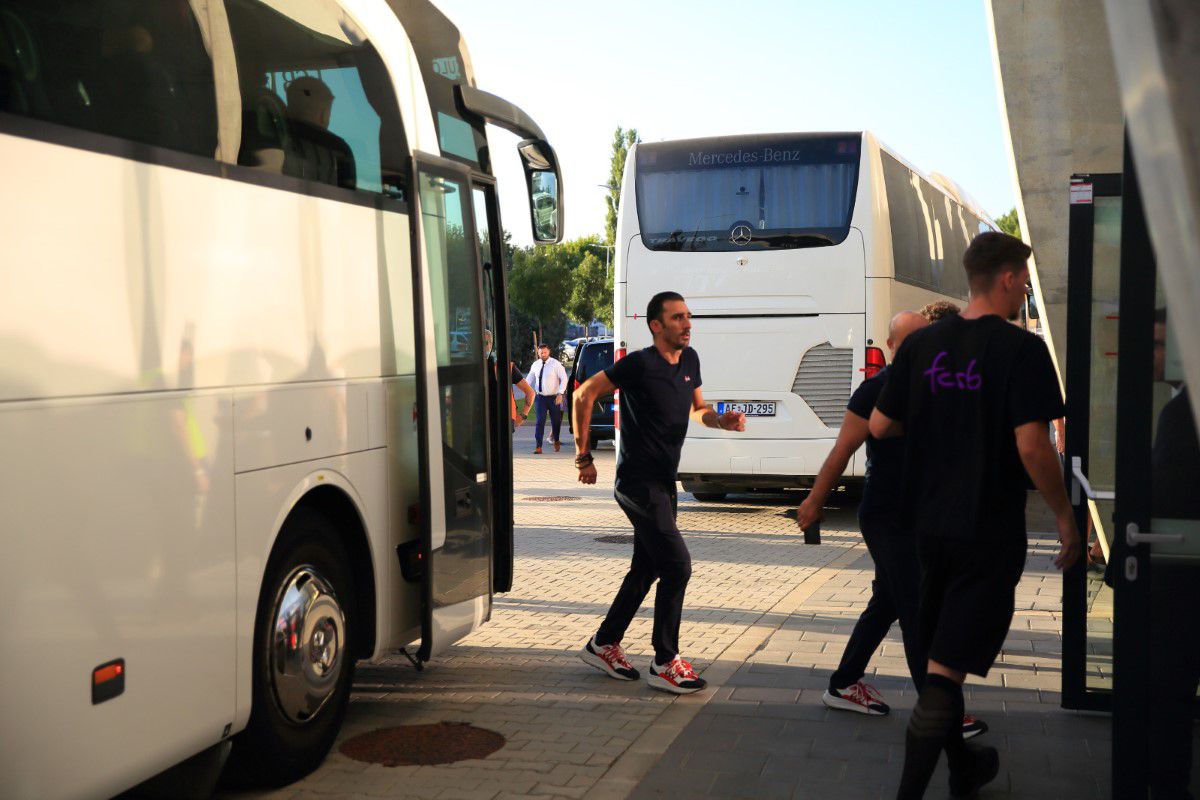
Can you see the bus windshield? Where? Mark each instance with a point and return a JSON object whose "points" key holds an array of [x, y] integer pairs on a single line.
{"points": [[747, 193]]}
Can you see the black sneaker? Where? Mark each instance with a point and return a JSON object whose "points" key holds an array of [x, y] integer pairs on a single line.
{"points": [[676, 677], [982, 768], [859, 697], [609, 659], [973, 726]]}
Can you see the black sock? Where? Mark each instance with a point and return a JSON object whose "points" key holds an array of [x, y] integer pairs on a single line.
{"points": [[935, 720]]}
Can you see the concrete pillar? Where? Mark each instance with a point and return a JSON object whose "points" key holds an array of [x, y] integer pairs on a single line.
{"points": [[1059, 94]]}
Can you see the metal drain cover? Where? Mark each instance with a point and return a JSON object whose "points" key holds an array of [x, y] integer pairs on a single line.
{"points": [[408, 745], [623, 538], [555, 499]]}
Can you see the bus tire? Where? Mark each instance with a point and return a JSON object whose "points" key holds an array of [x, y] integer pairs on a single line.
{"points": [[709, 497], [303, 656]]}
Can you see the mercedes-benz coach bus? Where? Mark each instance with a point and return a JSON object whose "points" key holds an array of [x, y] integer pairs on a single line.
{"points": [[252, 314], [793, 252]]}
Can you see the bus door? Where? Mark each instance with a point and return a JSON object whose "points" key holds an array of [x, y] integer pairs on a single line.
{"points": [[492, 258], [456, 526]]}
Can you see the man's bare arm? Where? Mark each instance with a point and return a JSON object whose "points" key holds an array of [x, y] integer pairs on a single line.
{"points": [[1044, 468], [582, 401], [884, 427], [703, 414], [851, 437], [527, 391]]}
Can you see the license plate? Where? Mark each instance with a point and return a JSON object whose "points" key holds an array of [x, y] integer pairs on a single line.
{"points": [[750, 408]]}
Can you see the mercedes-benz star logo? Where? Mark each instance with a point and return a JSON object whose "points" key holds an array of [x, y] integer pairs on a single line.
{"points": [[741, 235]]}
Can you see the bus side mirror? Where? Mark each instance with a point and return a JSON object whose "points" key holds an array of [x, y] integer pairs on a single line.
{"points": [[544, 182]]}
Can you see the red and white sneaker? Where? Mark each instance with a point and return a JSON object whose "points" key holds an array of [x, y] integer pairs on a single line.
{"points": [[973, 726], [609, 659], [860, 697], [676, 677]]}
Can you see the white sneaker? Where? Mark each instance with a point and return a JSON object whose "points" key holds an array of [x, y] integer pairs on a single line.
{"points": [[609, 659], [676, 677]]}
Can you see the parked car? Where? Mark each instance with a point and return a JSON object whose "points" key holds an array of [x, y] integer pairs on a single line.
{"points": [[569, 348], [592, 356]]}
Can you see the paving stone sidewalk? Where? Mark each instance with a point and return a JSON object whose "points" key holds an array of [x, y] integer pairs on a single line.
{"points": [[570, 730], [766, 734]]}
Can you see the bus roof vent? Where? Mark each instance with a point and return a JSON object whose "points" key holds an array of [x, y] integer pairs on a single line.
{"points": [[823, 381]]}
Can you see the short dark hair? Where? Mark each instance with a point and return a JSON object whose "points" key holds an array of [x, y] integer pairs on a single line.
{"points": [[543, 344], [654, 308], [991, 253]]}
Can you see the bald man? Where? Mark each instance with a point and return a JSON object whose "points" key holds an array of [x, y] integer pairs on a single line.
{"points": [[896, 588]]}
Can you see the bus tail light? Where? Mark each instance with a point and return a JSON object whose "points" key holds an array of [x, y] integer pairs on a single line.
{"points": [[575, 385], [618, 354], [874, 362]]}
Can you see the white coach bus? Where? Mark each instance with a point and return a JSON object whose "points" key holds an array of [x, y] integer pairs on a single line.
{"points": [[250, 284], [793, 252]]}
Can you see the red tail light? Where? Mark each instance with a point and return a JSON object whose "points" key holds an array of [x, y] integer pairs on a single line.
{"points": [[618, 354], [574, 384], [874, 362]]}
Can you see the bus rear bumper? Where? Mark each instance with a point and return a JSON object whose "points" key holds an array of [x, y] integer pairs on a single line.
{"points": [[729, 464]]}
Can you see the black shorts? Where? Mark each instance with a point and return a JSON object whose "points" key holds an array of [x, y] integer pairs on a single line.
{"points": [[967, 596]]}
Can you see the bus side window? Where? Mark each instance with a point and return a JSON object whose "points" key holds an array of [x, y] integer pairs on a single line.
{"points": [[317, 101], [137, 71]]}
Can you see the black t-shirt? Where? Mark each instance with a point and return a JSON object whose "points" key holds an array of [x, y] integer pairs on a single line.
{"points": [[514, 374], [656, 403], [961, 387], [885, 457]]}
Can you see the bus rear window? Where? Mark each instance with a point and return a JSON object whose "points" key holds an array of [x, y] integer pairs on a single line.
{"points": [[747, 192]]}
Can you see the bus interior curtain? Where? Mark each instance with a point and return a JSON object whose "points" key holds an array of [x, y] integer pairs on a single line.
{"points": [[214, 29]]}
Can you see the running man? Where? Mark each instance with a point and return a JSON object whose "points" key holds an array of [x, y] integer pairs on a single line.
{"points": [[660, 393], [972, 396], [896, 589]]}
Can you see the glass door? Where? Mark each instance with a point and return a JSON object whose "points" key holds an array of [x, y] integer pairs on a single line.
{"points": [[490, 240], [1093, 264], [456, 536], [1156, 546]]}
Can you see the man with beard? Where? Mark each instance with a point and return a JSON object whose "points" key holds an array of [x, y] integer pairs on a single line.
{"points": [[973, 396], [660, 394]]}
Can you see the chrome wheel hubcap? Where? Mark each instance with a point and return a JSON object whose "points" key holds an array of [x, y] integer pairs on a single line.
{"points": [[307, 644]]}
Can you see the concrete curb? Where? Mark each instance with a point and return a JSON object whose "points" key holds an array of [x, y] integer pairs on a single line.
{"points": [[649, 747]]}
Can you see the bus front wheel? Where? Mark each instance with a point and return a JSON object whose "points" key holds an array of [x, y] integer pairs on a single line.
{"points": [[303, 656]]}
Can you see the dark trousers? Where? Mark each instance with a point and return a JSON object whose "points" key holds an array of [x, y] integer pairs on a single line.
{"points": [[895, 595], [659, 553], [545, 405], [1174, 673]]}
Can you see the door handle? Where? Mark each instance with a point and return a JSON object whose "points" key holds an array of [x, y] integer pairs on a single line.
{"points": [[1134, 537], [1080, 483]]}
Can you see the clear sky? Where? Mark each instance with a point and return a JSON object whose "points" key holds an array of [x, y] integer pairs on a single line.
{"points": [[917, 73]]}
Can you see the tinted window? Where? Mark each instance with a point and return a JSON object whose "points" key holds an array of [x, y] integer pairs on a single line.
{"points": [[930, 231], [746, 193], [317, 102], [136, 70], [596, 358]]}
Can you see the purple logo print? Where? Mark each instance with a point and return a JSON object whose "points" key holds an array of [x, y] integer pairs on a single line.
{"points": [[947, 378]]}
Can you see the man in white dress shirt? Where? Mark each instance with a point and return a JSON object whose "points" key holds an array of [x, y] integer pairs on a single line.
{"points": [[548, 378]]}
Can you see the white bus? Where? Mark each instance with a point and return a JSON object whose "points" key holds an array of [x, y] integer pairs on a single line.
{"points": [[250, 275], [793, 252]]}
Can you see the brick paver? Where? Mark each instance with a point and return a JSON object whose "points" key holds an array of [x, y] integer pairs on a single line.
{"points": [[766, 733], [568, 726]]}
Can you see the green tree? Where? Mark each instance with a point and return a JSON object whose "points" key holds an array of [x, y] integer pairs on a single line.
{"points": [[539, 284], [591, 292], [622, 141], [1009, 223]]}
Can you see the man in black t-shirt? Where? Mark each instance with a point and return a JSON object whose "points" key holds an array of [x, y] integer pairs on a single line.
{"points": [[897, 585], [973, 396], [660, 394]]}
